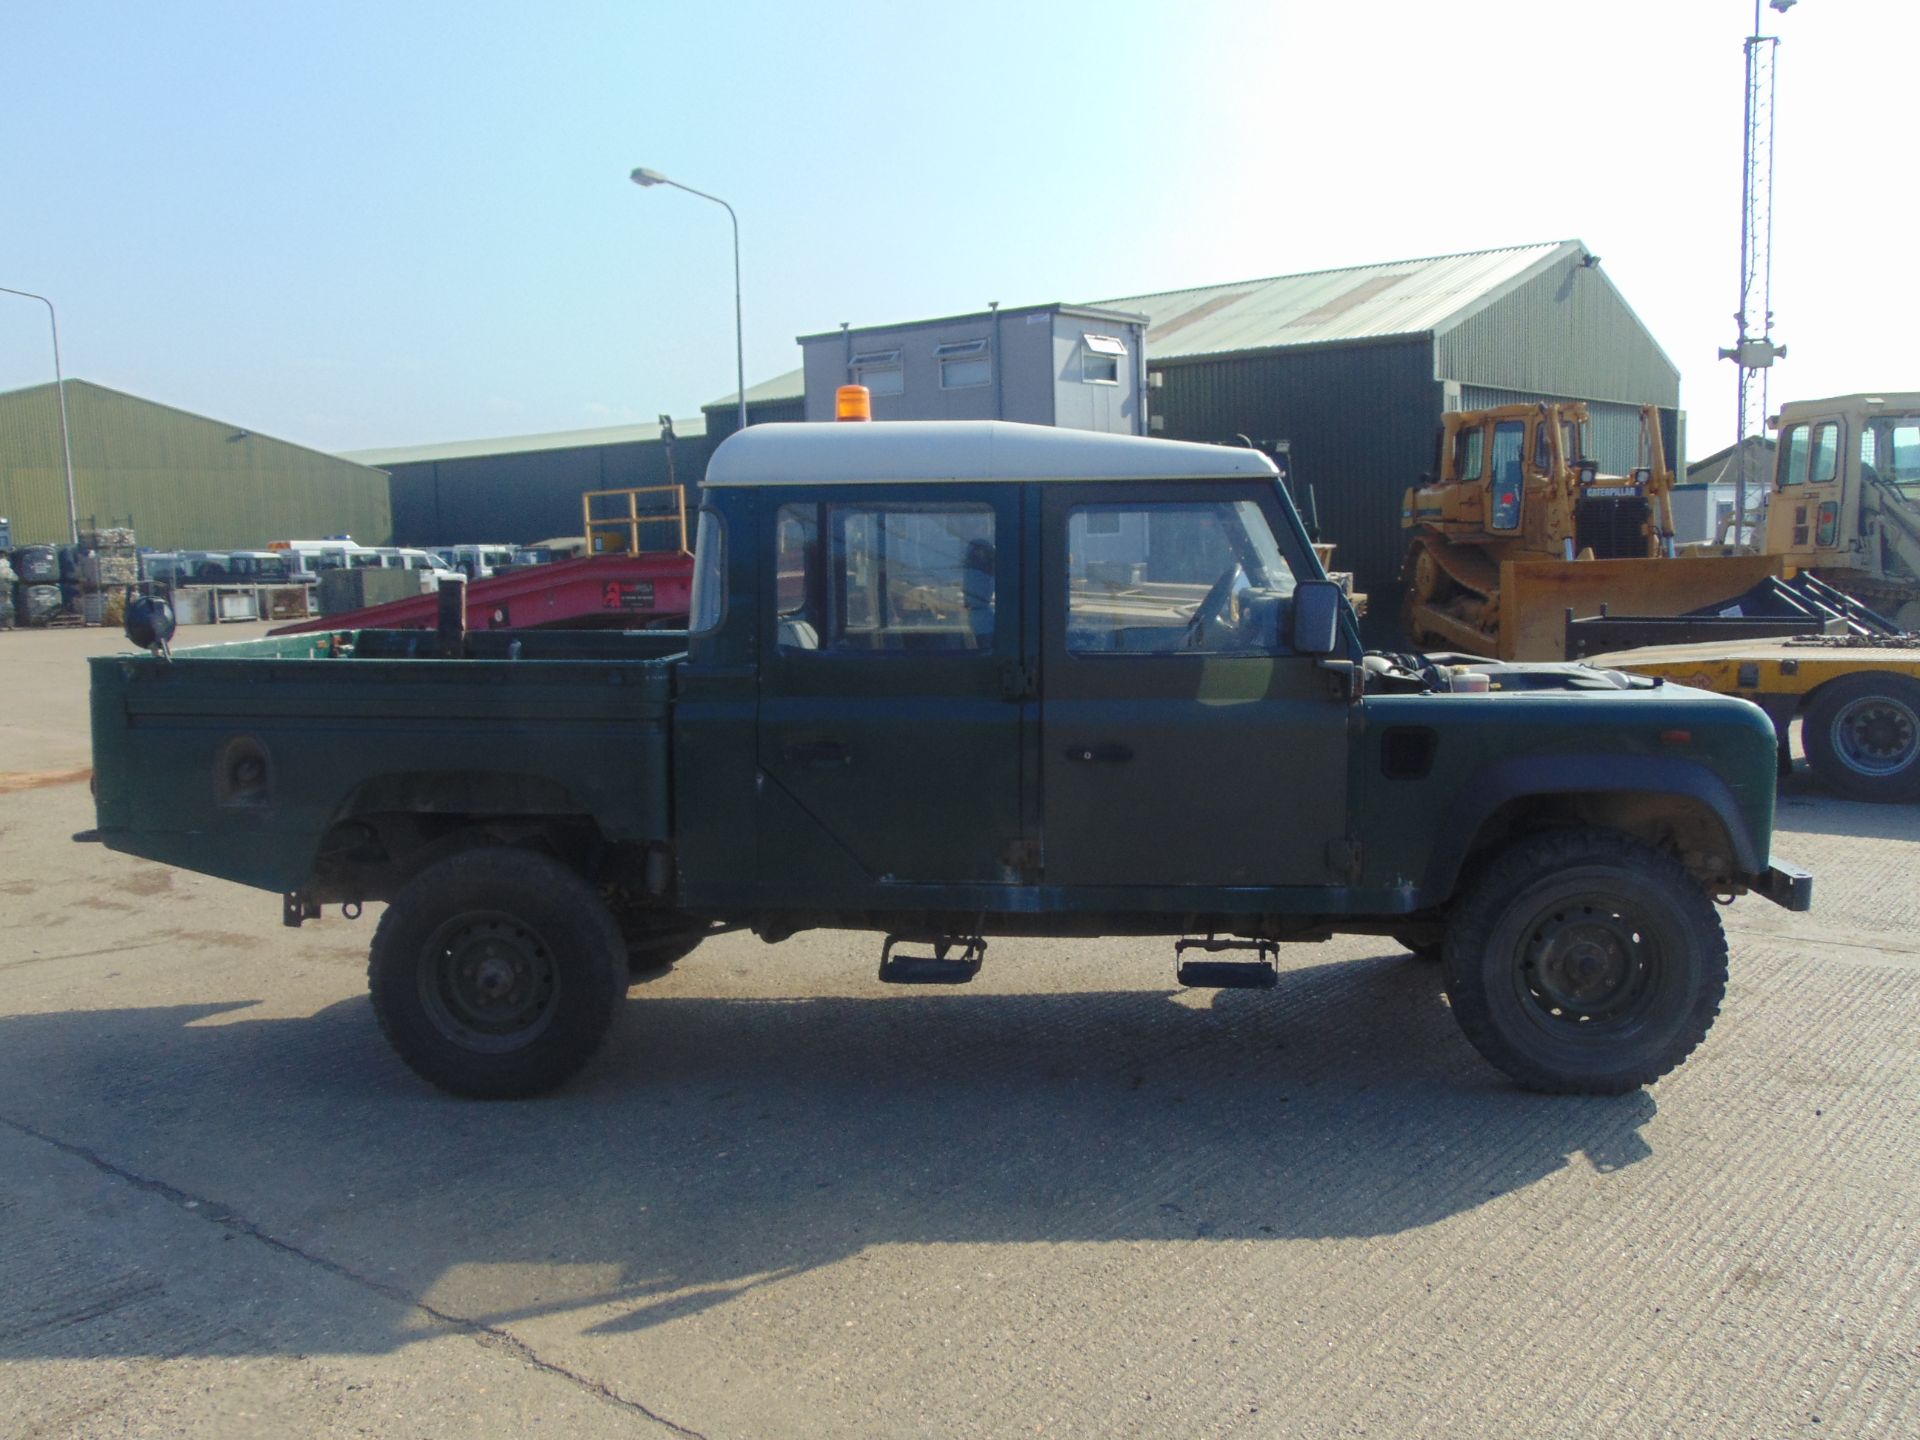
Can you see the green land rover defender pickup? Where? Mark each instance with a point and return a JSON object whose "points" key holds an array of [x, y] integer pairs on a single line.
{"points": [[944, 681]]}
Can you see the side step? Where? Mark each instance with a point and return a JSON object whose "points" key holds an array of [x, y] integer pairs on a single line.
{"points": [[942, 967], [1262, 973]]}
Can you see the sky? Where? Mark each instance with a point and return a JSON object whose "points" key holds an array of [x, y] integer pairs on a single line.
{"points": [[360, 225]]}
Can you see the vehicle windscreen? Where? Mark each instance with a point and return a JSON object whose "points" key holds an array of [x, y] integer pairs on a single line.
{"points": [[1890, 451]]}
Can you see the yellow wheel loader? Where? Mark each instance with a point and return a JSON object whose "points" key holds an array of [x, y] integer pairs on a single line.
{"points": [[1518, 527]]}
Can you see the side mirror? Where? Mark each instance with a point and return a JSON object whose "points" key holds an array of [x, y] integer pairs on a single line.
{"points": [[1316, 617]]}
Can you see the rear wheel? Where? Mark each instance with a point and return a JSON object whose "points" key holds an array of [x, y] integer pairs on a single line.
{"points": [[495, 973], [1585, 962], [1862, 737]]}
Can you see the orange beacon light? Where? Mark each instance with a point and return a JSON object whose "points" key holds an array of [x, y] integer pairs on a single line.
{"points": [[853, 402]]}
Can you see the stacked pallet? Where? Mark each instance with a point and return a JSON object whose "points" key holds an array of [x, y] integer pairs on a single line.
{"points": [[98, 574]]}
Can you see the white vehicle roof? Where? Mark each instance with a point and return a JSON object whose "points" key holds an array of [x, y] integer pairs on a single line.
{"points": [[1892, 402], [878, 452]]}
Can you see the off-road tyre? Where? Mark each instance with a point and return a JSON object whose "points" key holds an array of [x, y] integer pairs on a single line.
{"points": [[1585, 962], [495, 972], [1862, 737]]}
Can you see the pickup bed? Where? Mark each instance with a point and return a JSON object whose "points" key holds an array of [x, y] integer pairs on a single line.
{"points": [[945, 681]]}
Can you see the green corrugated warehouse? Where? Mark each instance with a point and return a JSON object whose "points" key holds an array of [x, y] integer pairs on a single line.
{"points": [[183, 481], [1355, 367]]}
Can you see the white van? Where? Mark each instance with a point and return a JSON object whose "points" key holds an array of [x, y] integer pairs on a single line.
{"points": [[477, 562]]}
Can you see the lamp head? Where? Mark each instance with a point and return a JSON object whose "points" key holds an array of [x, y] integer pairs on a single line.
{"points": [[644, 176]]}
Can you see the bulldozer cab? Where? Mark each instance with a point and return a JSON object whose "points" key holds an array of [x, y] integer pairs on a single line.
{"points": [[1839, 463], [1510, 472]]}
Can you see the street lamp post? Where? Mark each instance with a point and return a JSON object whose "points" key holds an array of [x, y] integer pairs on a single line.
{"points": [[644, 177], [60, 385]]}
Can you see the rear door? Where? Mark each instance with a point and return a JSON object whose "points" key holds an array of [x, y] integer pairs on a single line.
{"points": [[1182, 742], [891, 689]]}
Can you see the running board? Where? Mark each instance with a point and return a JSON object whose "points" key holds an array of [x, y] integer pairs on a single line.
{"points": [[1258, 974], [942, 967]]}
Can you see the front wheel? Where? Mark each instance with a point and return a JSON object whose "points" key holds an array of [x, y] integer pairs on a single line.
{"points": [[495, 973], [1862, 735], [1585, 962]]}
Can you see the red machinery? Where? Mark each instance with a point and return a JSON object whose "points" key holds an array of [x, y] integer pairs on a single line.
{"points": [[620, 586], [628, 592]]}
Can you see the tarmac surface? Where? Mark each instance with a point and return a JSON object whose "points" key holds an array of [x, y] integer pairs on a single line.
{"points": [[1070, 1199]]}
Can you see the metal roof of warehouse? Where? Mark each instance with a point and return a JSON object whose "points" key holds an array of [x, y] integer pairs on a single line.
{"points": [[689, 429], [1358, 302], [1321, 307]]}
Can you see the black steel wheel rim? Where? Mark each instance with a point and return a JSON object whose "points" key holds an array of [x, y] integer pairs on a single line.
{"points": [[1876, 735], [1586, 966], [488, 982]]}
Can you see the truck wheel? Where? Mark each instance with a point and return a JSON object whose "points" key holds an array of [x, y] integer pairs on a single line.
{"points": [[495, 973], [1584, 962], [1862, 735]]}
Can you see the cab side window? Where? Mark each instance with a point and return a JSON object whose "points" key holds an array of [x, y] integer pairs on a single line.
{"points": [[1175, 578], [1826, 453], [884, 579], [1793, 452], [1468, 449], [1509, 440]]}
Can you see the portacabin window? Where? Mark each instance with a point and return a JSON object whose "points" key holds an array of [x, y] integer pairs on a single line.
{"points": [[964, 364], [1176, 578], [884, 578], [1100, 358], [879, 371]]}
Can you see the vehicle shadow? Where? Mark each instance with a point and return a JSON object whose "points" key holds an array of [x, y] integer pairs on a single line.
{"points": [[721, 1144], [1805, 806]]}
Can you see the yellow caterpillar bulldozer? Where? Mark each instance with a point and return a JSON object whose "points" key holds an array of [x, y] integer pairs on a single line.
{"points": [[1518, 526], [1845, 499]]}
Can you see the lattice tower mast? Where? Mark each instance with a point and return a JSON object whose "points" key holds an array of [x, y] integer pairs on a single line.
{"points": [[1753, 350]]}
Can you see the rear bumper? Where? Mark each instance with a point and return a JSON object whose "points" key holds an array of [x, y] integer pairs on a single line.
{"points": [[1787, 885]]}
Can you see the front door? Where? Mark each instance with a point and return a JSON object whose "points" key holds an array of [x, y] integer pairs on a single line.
{"points": [[891, 691], [1809, 495], [1182, 743]]}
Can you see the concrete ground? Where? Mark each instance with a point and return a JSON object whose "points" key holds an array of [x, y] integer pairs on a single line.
{"points": [[1070, 1199]]}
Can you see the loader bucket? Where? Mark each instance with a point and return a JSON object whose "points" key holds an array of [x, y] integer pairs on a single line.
{"points": [[1535, 595]]}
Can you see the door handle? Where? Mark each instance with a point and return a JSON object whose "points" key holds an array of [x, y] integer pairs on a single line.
{"points": [[818, 754], [1108, 752]]}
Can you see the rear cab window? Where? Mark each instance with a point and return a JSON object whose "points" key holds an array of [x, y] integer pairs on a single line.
{"points": [[885, 577]]}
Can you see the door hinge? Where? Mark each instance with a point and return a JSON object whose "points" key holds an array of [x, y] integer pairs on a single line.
{"points": [[1343, 858]]}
